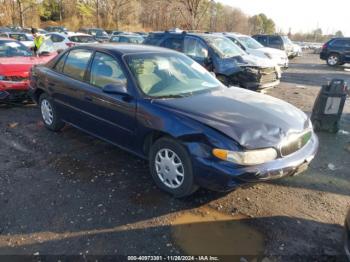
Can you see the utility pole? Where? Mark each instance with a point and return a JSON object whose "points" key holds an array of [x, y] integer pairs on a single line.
{"points": [[212, 16], [97, 14]]}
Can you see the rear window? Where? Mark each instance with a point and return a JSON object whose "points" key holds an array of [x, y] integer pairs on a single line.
{"points": [[76, 63], [173, 43], [152, 40], [276, 40], [340, 43]]}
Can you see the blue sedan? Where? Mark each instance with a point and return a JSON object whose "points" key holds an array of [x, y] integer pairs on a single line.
{"points": [[163, 106]]}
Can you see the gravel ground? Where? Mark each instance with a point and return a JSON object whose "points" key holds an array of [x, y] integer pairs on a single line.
{"points": [[70, 194]]}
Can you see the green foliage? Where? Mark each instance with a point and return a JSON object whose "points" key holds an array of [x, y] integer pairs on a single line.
{"points": [[85, 10], [261, 24], [49, 10]]}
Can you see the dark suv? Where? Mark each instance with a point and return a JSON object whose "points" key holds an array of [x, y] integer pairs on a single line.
{"points": [[231, 65], [276, 41], [336, 51]]}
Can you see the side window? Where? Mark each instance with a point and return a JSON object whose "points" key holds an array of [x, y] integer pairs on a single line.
{"points": [[60, 64], [173, 43], [106, 70], [4, 35], [238, 43], [275, 40], [195, 48], [341, 43], [76, 63], [262, 40], [56, 38]]}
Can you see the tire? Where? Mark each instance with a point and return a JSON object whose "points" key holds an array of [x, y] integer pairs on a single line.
{"points": [[333, 59], [49, 114], [167, 160]]}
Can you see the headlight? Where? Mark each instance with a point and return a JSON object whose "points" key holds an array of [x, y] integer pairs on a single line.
{"points": [[251, 157], [268, 55]]}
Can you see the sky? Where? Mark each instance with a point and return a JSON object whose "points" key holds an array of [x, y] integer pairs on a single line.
{"points": [[300, 15]]}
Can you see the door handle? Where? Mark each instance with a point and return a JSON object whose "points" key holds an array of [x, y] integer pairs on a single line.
{"points": [[88, 98]]}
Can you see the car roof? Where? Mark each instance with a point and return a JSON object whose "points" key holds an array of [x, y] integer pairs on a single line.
{"points": [[124, 49], [201, 35]]}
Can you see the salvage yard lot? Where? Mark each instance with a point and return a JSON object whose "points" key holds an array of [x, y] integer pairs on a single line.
{"points": [[69, 193]]}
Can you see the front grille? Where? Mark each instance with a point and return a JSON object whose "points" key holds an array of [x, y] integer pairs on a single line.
{"points": [[15, 78], [295, 144], [268, 75]]}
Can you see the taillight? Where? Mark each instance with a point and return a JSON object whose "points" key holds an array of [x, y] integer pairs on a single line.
{"points": [[70, 44], [325, 46]]}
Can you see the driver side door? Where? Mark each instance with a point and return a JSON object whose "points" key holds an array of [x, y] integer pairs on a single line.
{"points": [[112, 116], [198, 51]]}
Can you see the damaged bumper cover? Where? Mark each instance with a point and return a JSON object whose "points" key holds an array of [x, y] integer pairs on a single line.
{"points": [[225, 176], [11, 91], [255, 78]]}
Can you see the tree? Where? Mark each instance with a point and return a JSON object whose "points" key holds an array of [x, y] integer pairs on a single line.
{"points": [[193, 11], [339, 34]]}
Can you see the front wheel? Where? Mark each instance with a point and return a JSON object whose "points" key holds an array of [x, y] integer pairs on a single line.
{"points": [[171, 167], [333, 60], [49, 114]]}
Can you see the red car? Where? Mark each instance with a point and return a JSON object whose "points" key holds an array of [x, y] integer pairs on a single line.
{"points": [[15, 62]]}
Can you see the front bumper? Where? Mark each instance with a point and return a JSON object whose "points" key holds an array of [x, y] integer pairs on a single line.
{"points": [[220, 175], [13, 91], [347, 240]]}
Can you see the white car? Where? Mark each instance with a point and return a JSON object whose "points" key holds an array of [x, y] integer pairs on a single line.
{"points": [[26, 39], [60, 41], [253, 47], [297, 50]]}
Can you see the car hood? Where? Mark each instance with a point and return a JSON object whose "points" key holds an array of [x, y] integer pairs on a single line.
{"points": [[251, 119], [11, 65], [257, 61]]}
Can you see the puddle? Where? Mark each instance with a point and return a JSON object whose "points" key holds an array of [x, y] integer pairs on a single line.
{"points": [[209, 232]]}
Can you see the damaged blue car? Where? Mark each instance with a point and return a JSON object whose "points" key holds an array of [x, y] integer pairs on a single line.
{"points": [[164, 107]]}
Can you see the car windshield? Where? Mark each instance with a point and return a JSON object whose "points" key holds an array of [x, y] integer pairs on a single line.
{"points": [[170, 75], [13, 48], [250, 42], [224, 47]]}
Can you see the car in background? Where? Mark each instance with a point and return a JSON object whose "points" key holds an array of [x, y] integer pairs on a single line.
{"points": [[57, 41], [231, 65], [297, 50], [253, 47], [166, 108], [129, 38], [26, 39], [29, 31], [336, 51], [144, 34], [98, 33], [4, 29], [56, 29], [15, 62], [347, 236], [276, 41]]}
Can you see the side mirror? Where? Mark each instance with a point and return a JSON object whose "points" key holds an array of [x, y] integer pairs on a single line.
{"points": [[117, 89]]}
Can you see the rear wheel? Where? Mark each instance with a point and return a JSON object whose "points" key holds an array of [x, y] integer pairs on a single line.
{"points": [[171, 167], [333, 60], [49, 114]]}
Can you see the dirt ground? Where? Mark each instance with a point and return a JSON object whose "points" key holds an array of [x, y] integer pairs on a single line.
{"points": [[68, 193]]}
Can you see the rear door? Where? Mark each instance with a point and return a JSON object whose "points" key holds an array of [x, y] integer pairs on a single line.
{"points": [[276, 42], [66, 85]]}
